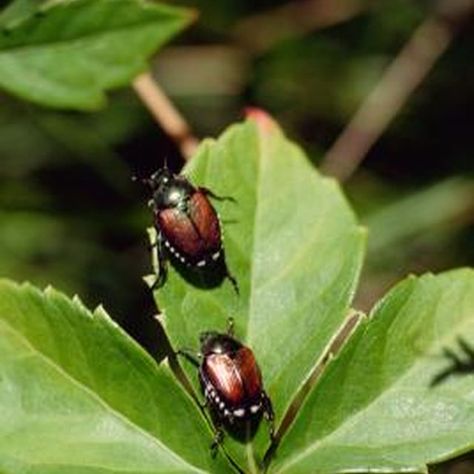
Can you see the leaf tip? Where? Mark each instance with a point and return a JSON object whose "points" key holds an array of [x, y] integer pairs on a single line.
{"points": [[264, 120]]}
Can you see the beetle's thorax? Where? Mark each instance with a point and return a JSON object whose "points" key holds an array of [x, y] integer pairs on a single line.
{"points": [[171, 191], [216, 343], [173, 196]]}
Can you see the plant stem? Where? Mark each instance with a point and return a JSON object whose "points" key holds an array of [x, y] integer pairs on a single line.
{"points": [[166, 114], [258, 33]]}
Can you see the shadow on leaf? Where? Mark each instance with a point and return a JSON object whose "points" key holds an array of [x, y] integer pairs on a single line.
{"points": [[208, 277], [460, 364]]}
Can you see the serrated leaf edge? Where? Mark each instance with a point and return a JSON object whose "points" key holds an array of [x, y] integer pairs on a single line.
{"points": [[410, 279], [51, 294]]}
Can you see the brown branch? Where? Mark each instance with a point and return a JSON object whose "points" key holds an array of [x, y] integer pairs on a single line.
{"points": [[401, 78], [260, 32], [166, 114]]}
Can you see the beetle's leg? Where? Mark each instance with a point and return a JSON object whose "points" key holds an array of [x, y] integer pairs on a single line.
{"points": [[234, 282], [217, 441], [190, 355], [230, 277], [162, 267], [226, 273], [269, 414], [203, 405], [194, 358], [209, 193]]}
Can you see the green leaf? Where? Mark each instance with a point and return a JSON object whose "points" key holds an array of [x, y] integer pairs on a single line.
{"points": [[67, 53], [295, 248], [17, 10], [376, 408], [78, 396]]}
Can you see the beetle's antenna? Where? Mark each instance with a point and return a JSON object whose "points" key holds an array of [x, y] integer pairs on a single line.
{"points": [[146, 181], [230, 326]]}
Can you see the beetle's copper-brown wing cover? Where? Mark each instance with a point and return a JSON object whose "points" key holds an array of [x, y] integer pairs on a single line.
{"points": [[195, 235], [236, 375]]}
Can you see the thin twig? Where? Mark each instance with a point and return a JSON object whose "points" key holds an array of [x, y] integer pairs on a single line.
{"points": [[401, 78], [166, 114], [260, 32]]}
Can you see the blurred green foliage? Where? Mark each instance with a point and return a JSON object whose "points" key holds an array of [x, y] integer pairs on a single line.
{"points": [[69, 214]]}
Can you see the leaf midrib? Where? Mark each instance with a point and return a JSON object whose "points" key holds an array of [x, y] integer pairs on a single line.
{"points": [[260, 157], [263, 156], [94, 395]]}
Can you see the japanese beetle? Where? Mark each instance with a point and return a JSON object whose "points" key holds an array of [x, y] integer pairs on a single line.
{"points": [[231, 382], [187, 224]]}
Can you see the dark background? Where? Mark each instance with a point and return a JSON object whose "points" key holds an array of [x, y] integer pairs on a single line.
{"points": [[71, 216]]}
